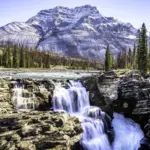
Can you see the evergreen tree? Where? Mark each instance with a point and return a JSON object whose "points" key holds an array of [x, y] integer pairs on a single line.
{"points": [[119, 60], [22, 57], [107, 59], [15, 57], [143, 51], [9, 57], [31, 58], [126, 60], [4, 57], [47, 61], [27, 56], [138, 58], [134, 58], [130, 58], [1, 56], [111, 62]]}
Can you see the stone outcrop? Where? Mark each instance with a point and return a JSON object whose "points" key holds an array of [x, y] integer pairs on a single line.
{"points": [[103, 90], [127, 93], [133, 94], [5, 97], [108, 85], [134, 101], [35, 130], [39, 130], [40, 91]]}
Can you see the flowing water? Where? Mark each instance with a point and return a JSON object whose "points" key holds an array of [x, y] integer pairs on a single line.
{"points": [[22, 99], [75, 101], [127, 133]]}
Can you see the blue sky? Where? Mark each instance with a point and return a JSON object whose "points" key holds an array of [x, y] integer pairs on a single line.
{"points": [[134, 11]]}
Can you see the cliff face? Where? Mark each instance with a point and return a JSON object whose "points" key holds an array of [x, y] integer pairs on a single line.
{"points": [[128, 93], [81, 31]]}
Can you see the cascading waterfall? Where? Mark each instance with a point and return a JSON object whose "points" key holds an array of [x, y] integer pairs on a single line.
{"points": [[22, 99], [127, 133], [75, 101]]}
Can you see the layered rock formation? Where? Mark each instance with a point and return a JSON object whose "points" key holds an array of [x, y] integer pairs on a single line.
{"points": [[103, 90], [127, 93], [39, 130], [34, 130], [134, 101], [5, 97]]}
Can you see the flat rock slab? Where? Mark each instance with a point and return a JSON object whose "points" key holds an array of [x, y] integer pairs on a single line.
{"points": [[39, 130]]}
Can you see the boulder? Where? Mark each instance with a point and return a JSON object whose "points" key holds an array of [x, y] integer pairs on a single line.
{"points": [[103, 90]]}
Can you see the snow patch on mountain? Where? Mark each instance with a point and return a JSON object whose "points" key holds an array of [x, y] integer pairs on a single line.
{"points": [[80, 31]]}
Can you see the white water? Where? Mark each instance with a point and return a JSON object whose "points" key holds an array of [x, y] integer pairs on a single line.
{"points": [[75, 101], [21, 102], [127, 133]]}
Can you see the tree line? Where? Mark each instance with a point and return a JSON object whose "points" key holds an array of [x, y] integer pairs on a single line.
{"points": [[138, 58], [20, 56]]}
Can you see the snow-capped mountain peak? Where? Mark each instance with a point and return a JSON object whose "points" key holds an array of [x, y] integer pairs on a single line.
{"points": [[79, 31]]}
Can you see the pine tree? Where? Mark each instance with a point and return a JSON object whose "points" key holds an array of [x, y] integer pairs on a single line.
{"points": [[143, 51], [129, 58], [47, 61], [22, 57], [111, 62], [107, 59], [119, 60], [126, 60], [15, 57], [138, 57], [31, 58], [134, 58], [4, 57], [27, 56], [9, 57], [1, 59]]}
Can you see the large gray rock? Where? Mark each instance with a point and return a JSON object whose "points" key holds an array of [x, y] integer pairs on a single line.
{"points": [[134, 95], [103, 90]]}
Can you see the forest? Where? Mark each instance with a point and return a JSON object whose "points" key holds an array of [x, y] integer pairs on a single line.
{"points": [[137, 59], [21, 56]]}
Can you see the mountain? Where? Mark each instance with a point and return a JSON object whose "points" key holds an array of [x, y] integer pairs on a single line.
{"points": [[81, 31]]}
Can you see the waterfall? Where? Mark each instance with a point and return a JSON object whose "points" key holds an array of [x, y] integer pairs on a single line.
{"points": [[75, 101], [127, 133], [22, 98]]}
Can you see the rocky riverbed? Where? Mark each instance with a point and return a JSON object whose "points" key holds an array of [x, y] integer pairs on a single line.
{"points": [[43, 128]]}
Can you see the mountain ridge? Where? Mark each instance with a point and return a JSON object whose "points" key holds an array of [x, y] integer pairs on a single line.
{"points": [[80, 31]]}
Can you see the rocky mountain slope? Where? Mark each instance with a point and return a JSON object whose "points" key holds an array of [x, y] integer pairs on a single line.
{"points": [[81, 31]]}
